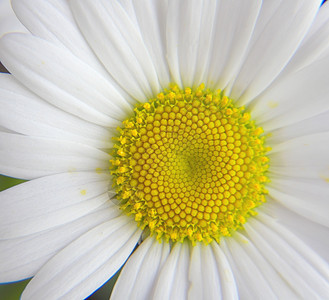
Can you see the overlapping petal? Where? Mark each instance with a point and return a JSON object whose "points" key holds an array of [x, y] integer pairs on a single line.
{"points": [[24, 112], [210, 274], [46, 19], [62, 79], [109, 29], [31, 157], [52, 201], [302, 269], [280, 28], [85, 264], [302, 95], [206, 40], [39, 247], [172, 282], [304, 157], [141, 270], [8, 19]]}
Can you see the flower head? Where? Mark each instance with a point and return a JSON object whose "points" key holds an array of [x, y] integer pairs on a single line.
{"points": [[189, 138]]}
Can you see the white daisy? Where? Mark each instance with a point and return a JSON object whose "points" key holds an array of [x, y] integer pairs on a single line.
{"points": [[224, 193]]}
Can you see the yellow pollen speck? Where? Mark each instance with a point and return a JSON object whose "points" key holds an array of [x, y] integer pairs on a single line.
{"points": [[190, 164], [325, 178], [99, 170], [272, 104], [83, 192]]}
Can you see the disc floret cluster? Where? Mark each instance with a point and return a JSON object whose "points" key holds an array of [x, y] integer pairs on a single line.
{"points": [[190, 164]]}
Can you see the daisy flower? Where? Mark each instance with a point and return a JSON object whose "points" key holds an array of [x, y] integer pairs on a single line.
{"points": [[186, 140]]}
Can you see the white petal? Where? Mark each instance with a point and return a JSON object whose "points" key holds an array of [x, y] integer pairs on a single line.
{"points": [[151, 17], [316, 124], [279, 30], [31, 157], [302, 157], [299, 96], [250, 287], [50, 201], [85, 264], [234, 25], [315, 44], [279, 286], [172, 282], [118, 44], [4, 129], [8, 19], [138, 276], [24, 112], [199, 277], [210, 274], [244, 292], [309, 198], [229, 287], [189, 24], [62, 79], [311, 233], [22, 257], [128, 6], [52, 20], [300, 267]]}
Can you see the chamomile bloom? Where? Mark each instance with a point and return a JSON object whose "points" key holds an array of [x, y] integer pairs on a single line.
{"points": [[186, 140]]}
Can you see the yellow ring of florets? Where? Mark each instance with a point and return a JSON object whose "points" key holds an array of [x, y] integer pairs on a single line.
{"points": [[190, 164]]}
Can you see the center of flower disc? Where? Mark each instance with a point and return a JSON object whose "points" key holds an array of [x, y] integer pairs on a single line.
{"points": [[190, 164]]}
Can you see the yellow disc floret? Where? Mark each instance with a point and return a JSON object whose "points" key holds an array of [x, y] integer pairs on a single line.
{"points": [[190, 164]]}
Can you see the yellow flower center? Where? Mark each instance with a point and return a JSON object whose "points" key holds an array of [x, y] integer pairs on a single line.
{"points": [[190, 164]]}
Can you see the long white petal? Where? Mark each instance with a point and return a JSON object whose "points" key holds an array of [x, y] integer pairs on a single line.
{"points": [[22, 257], [187, 24], [309, 198], [228, 282], [62, 79], [141, 271], [203, 274], [313, 125], [250, 287], [233, 28], [302, 157], [31, 157], [24, 112], [279, 286], [210, 274], [309, 232], [8, 19], [300, 267], [279, 30], [51, 201], [204, 39], [172, 283], [315, 44], [150, 16], [85, 264], [114, 38], [53, 21], [300, 96]]}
